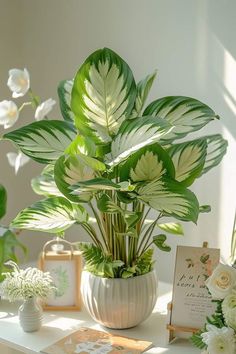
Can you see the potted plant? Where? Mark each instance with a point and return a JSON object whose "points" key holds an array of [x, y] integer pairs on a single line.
{"points": [[115, 160], [29, 285]]}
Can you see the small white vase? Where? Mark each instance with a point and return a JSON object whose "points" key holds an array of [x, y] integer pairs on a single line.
{"points": [[30, 315], [119, 303]]}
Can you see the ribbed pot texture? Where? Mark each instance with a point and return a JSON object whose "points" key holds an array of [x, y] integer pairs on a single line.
{"points": [[119, 303], [30, 315]]}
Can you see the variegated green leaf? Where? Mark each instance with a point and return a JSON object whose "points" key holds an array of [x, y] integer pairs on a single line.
{"points": [[64, 93], [216, 149], [188, 158], [43, 141], [94, 185], [171, 198], [81, 145], [159, 241], [135, 134], [68, 171], [172, 228], [103, 95], [184, 113], [50, 215], [146, 164], [106, 205], [45, 184], [143, 88]]}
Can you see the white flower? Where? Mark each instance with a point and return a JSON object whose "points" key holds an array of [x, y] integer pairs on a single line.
{"points": [[222, 281], [229, 310], [44, 108], [17, 160], [219, 340], [8, 113], [18, 82]]}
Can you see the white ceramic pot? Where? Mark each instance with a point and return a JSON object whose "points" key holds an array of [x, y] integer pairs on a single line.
{"points": [[30, 315], [119, 303]]}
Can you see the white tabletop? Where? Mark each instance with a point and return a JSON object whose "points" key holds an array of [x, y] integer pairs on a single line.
{"points": [[59, 324]]}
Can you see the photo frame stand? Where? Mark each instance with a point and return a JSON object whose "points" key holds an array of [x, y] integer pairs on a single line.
{"points": [[173, 329], [58, 256]]}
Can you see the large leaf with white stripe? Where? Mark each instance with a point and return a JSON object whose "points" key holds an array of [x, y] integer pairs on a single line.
{"points": [[186, 114], [135, 134], [52, 215], [143, 88], [171, 198], [43, 141], [71, 169], [216, 149], [146, 164], [44, 184], [189, 159], [64, 93], [103, 95]]}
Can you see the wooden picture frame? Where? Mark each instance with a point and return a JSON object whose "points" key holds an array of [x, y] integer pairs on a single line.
{"points": [[191, 301], [65, 267]]}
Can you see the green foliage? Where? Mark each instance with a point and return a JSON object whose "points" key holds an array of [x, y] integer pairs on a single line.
{"points": [[216, 320], [8, 245], [3, 201], [121, 159]]}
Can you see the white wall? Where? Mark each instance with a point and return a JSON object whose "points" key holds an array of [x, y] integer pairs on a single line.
{"points": [[190, 42]]}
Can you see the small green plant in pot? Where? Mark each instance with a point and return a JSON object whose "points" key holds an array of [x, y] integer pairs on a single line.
{"points": [[115, 160]]}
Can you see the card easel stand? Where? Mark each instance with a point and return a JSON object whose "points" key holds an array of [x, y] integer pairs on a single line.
{"points": [[172, 329]]}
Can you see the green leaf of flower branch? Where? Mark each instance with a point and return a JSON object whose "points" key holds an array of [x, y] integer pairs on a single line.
{"points": [[3, 201], [172, 228], [64, 93], [103, 95], [171, 198], [216, 149], [135, 134], [50, 215], [159, 241], [45, 184], [143, 88], [196, 339], [186, 114], [189, 159], [43, 141]]}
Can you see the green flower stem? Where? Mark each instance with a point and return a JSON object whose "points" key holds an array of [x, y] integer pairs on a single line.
{"points": [[24, 105], [35, 101]]}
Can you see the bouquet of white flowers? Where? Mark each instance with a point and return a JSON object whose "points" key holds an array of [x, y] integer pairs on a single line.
{"points": [[219, 333]]}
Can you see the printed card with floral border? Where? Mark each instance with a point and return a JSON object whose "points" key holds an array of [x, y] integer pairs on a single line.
{"points": [[191, 301]]}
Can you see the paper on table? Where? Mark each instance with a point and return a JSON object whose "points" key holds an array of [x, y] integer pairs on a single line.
{"points": [[91, 341]]}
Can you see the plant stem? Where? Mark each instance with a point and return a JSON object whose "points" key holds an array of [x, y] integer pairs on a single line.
{"points": [[24, 105], [147, 235], [90, 230], [100, 226]]}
